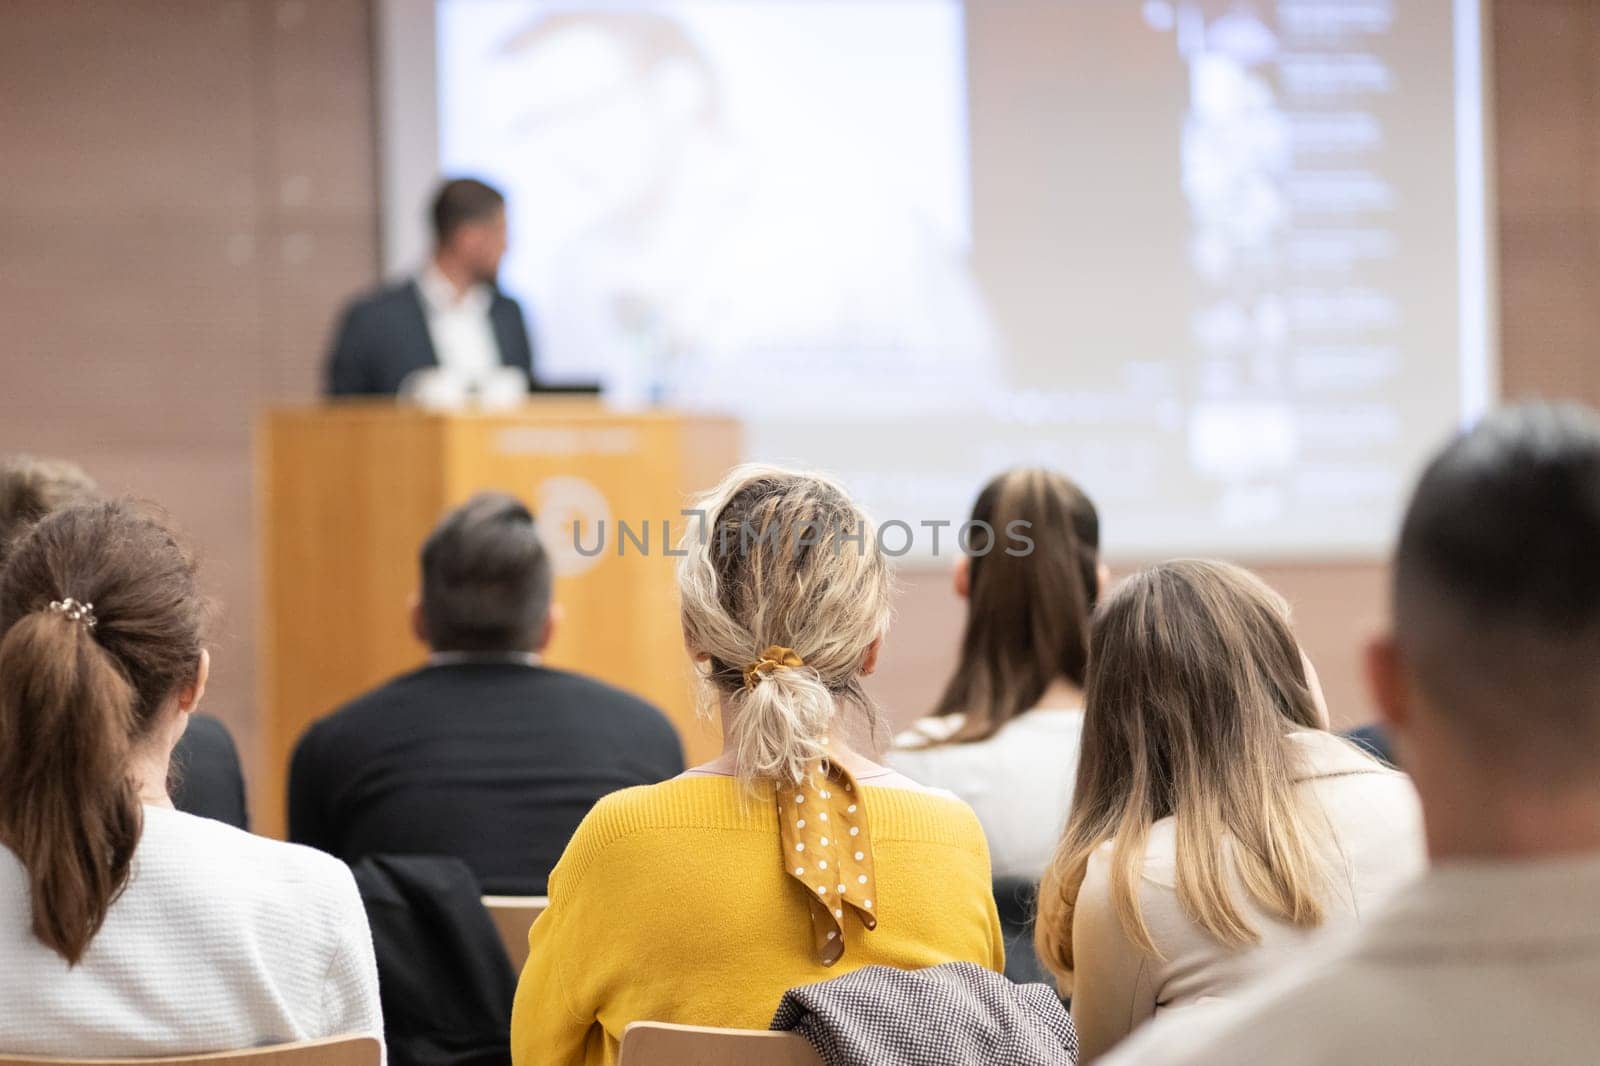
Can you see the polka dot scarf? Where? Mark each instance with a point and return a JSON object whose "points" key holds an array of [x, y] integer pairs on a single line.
{"points": [[826, 848]]}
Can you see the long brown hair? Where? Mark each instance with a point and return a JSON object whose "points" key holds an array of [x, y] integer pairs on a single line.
{"points": [[1027, 614], [75, 700], [1195, 680]]}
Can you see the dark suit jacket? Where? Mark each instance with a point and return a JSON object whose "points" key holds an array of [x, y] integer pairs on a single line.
{"points": [[1375, 739], [494, 763], [443, 975], [206, 779], [383, 336]]}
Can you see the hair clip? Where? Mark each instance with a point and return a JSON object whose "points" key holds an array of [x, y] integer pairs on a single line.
{"points": [[78, 612]]}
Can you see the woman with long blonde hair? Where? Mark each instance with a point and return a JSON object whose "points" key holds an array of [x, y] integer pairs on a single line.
{"points": [[1216, 823], [790, 858]]}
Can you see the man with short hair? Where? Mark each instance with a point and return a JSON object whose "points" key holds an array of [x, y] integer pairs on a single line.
{"points": [[452, 316], [1490, 681], [484, 754]]}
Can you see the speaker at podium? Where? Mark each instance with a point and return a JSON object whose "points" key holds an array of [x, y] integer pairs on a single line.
{"points": [[349, 491]]}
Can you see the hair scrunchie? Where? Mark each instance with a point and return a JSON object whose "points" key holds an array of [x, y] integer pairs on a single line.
{"points": [[776, 657]]}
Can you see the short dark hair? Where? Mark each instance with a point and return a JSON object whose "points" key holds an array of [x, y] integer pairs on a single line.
{"points": [[486, 578], [460, 201], [1497, 584]]}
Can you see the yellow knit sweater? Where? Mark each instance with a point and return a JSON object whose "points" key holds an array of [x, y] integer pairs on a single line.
{"points": [[671, 904]]}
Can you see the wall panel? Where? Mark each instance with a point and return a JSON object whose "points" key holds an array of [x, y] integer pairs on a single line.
{"points": [[189, 195]]}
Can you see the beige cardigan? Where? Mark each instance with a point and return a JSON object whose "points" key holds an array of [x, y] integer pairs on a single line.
{"points": [[1377, 847], [1477, 964]]}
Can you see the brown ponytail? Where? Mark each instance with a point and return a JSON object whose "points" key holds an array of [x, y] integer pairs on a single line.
{"points": [[1031, 589], [75, 700]]}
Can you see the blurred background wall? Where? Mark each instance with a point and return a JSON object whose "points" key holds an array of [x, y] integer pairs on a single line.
{"points": [[188, 193]]}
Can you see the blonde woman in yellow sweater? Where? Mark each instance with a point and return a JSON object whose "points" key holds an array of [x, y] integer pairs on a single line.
{"points": [[791, 858]]}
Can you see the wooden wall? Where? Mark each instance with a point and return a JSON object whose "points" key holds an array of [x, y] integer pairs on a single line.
{"points": [[1547, 119], [188, 191]]}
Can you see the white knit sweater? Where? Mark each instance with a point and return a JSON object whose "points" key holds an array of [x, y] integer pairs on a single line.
{"points": [[1019, 781], [222, 940]]}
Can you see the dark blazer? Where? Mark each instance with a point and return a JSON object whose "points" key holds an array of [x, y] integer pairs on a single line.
{"points": [[492, 762], [383, 336], [206, 779], [1375, 739], [443, 974], [1016, 900]]}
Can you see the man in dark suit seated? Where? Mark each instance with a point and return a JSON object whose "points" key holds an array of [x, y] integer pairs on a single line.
{"points": [[452, 316], [484, 754]]}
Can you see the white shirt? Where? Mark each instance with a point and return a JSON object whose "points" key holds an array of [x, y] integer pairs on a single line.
{"points": [[459, 325], [1019, 781], [1477, 964], [1375, 849], [222, 940]]}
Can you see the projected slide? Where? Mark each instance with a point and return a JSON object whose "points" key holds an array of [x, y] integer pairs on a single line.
{"points": [[1219, 261]]}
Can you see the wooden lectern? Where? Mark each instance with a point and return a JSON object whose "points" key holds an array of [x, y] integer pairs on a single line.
{"points": [[350, 491]]}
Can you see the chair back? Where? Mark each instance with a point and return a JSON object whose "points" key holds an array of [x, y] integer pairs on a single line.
{"points": [[332, 1051], [663, 1044], [513, 917]]}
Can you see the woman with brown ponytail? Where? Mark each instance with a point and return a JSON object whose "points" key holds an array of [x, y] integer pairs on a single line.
{"points": [[127, 928], [791, 858], [1004, 736]]}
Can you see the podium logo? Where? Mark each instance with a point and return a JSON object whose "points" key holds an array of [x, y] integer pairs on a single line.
{"points": [[571, 511]]}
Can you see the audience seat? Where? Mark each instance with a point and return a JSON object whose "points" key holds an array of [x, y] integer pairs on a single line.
{"points": [[332, 1051], [513, 917], [661, 1044]]}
